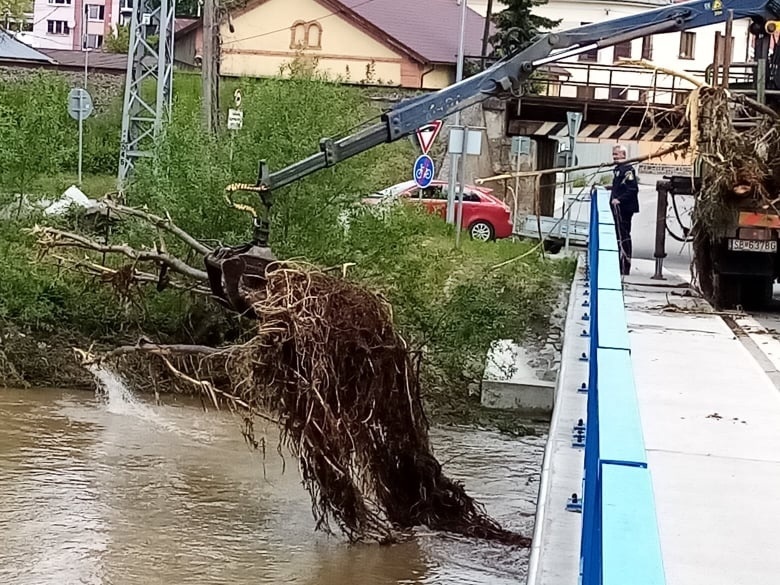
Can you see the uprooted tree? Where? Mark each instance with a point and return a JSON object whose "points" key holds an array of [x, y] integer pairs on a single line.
{"points": [[740, 170], [735, 142], [324, 362]]}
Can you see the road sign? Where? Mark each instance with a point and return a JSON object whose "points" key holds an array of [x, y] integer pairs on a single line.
{"points": [[573, 122], [521, 145], [427, 134], [423, 171], [473, 141], [235, 119], [79, 103], [237, 97]]}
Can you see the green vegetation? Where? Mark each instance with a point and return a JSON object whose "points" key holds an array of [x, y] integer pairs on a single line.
{"points": [[450, 304], [517, 25]]}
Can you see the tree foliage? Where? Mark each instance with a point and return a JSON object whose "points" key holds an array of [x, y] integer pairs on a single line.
{"points": [[517, 25], [13, 9], [449, 303]]}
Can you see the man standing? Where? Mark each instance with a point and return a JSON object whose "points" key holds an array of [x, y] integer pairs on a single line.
{"points": [[625, 203]]}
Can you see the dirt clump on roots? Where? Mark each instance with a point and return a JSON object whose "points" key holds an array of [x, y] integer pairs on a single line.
{"points": [[328, 365], [737, 165]]}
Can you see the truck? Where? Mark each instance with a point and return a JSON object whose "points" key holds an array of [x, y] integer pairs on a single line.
{"points": [[231, 269], [738, 265]]}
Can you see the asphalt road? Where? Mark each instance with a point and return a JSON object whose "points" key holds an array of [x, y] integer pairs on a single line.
{"points": [[679, 255]]}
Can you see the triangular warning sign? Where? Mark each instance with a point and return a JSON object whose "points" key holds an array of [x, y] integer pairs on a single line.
{"points": [[427, 134]]}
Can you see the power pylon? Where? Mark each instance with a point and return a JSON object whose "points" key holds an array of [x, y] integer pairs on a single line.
{"points": [[149, 73]]}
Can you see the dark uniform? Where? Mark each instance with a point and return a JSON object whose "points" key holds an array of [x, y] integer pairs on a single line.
{"points": [[626, 190]]}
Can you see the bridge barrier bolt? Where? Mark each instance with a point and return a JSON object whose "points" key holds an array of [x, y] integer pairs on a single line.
{"points": [[584, 333], [574, 504], [583, 389], [583, 357], [585, 303]]}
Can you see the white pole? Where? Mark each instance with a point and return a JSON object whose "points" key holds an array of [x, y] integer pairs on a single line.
{"points": [[462, 188], [81, 95], [454, 157]]}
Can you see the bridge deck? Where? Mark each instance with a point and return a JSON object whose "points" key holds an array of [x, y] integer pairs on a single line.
{"points": [[711, 422], [710, 418]]}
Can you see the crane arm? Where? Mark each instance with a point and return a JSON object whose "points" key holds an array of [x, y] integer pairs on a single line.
{"points": [[507, 76]]}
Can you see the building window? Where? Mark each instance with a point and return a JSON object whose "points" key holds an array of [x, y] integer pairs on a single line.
{"points": [[618, 93], [314, 36], [623, 50], [96, 12], [60, 2], [687, 45], [57, 27], [647, 48], [306, 35], [590, 56], [94, 41], [720, 43]]}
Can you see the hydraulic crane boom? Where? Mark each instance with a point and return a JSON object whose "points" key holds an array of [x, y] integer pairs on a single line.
{"points": [[234, 270], [505, 78]]}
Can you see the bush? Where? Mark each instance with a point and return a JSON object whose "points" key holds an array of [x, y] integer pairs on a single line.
{"points": [[449, 303]]}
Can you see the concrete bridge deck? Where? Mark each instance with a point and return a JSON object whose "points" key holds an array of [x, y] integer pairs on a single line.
{"points": [[688, 445]]}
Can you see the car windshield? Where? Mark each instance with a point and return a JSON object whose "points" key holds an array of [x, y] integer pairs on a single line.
{"points": [[439, 192]]}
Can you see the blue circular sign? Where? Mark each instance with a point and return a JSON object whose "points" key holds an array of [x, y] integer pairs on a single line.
{"points": [[423, 171]]}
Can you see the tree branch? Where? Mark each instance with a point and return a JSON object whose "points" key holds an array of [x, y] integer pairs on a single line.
{"points": [[165, 223], [137, 275], [54, 238], [144, 346], [740, 98], [659, 153]]}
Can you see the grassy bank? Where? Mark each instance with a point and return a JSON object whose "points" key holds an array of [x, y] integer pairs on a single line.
{"points": [[450, 304]]}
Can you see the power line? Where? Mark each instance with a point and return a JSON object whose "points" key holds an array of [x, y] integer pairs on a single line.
{"points": [[271, 32], [45, 17]]}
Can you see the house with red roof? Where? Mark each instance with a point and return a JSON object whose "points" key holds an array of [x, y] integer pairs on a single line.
{"points": [[400, 43]]}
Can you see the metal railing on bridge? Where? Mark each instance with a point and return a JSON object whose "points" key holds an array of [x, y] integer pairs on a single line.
{"points": [[620, 541], [591, 81]]}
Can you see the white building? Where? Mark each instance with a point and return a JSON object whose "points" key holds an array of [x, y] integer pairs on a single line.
{"points": [[594, 74], [59, 24]]}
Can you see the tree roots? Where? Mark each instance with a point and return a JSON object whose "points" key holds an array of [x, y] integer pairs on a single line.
{"points": [[327, 366]]}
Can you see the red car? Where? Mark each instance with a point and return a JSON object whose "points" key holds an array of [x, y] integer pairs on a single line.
{"points": [[484, 216]]}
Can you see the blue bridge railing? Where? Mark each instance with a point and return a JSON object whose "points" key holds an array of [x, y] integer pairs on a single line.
{"points": [[620, 542]]}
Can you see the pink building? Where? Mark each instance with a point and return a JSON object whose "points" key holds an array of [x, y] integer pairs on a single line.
{"points": [[60, 24]]}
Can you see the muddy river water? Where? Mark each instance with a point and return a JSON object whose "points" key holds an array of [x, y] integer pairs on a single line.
{"points": [[119, 490]]}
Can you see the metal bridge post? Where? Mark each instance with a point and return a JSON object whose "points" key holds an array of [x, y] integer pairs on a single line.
{"points": [[662, 188]]}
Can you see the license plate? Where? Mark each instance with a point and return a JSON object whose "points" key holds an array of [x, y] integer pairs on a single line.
{"points": [[753, 245]]}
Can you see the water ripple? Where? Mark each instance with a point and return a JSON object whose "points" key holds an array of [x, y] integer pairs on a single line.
{"points": [[100, 492]]}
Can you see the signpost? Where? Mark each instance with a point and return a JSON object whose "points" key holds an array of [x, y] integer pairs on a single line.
{"points": [[573, 121], [235, 119], [424, 171], [463, 141], [80, 108]]}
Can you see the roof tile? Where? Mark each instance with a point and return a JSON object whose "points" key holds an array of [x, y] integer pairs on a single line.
{"points": [[430, 28]]}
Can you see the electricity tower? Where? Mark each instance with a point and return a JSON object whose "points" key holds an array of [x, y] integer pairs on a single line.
{"points": [[148, 84]]}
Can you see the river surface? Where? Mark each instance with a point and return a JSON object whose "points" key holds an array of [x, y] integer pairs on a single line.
{"points": [[120, 490]]}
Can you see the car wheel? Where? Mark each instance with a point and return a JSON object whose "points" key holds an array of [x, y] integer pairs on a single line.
{"points": [[482, 231]]}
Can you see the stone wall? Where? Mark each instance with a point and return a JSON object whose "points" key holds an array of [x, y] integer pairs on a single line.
{"points": [[105, 88]]}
